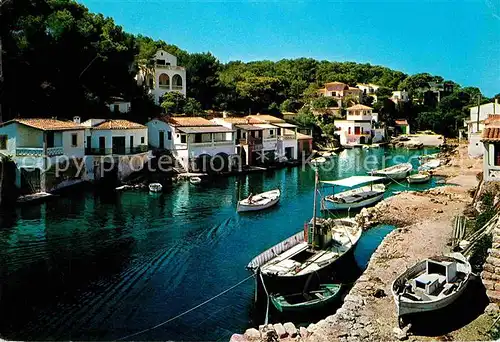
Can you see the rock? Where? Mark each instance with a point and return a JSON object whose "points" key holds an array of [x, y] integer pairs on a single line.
{"points": [[271, 336], [492, 309], [332, 319], [252, 334], [303, 332], [379, 293], [280, 330], [364, 212], [238, 338], [400, 334], [363, 333], [290, 329]]}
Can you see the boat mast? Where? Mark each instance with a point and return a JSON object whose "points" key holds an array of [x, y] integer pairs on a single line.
{"points": [[314, 205]]}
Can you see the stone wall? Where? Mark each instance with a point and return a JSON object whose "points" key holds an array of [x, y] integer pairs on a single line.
{"points": [[491, 269]]}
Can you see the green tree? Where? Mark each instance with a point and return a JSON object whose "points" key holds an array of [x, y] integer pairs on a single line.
{"points": [[324, 102], [173, 102], [192, 107]]}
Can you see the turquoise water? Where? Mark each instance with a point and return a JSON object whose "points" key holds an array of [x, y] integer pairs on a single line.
{"points": [[101, 266]]}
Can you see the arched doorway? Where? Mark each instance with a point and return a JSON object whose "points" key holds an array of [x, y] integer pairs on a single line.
{"points": [[220, 162], [164, 81], [362, 140], [177, 82]]}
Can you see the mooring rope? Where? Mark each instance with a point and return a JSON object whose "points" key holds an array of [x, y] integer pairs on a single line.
{"points": [[267, 295], [187, 311]]}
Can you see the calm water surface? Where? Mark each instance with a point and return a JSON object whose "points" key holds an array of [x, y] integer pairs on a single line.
{"points": [[93, 266]]}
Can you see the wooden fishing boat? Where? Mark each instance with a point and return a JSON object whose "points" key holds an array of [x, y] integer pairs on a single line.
{"points": [[155, 187], [356, 198], [396, 172], [314, 251], [418, 178], [319, 160], [259, 201], [431, 284], [430, 165], [195, 180], [307, 300]]}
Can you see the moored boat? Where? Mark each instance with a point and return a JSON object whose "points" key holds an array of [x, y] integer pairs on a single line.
{"points": [[259, 201], [195, 180], [314, 251], [306, 300], [319, 160], [396, 172], [422, 177], [431, 284], [356, 198], [430, 165], [155, 187]]}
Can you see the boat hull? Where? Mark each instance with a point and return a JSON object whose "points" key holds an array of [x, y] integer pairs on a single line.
{"points": [[281, 304], [418, 180], [245, 208], [329, 205], [393, 176]]}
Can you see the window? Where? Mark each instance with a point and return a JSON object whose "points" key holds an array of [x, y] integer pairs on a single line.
{"points": [[349, 130], [74, 140], [496, 161], [197, 138], [169, 135], [183, 139], [50, 139], [271, 132], [3, 142], [142, 140], [164, 80]]}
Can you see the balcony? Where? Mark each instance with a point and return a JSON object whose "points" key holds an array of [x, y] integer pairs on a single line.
{"points": [[116, 151], [176, 87], [364, 117], [169, 67], [211, 143], [39, 151], [164, 86], [287, 137], [250, 141]]}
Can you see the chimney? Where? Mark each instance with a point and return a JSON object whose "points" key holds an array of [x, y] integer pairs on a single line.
{"points": [[76, 119]]}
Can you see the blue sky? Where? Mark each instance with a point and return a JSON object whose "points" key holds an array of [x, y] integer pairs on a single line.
{"points": [[459, 40]]}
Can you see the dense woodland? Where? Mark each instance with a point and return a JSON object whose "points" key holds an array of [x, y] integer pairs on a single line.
{"points": [[60, 60]]}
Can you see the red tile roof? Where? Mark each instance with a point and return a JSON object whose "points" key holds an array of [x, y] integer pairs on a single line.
{"points": [[359, 107], [491, 134], [187, 121], [492, 118], [338, 86], [402, 122], [264, 118], [46, 124], [118, 124]]}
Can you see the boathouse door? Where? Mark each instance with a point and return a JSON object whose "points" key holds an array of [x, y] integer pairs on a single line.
{"points": [[161, 138], [118, 144]]}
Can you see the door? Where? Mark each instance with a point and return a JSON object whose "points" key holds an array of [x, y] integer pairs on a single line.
{"points": [[102, 145], [118, 145], [161, 138], [131, 145], [50, 139], [89, 145], [356, 130]]}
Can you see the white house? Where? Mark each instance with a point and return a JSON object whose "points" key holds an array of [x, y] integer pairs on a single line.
{"points": [[119, 141], [198, 144], [119, 105], [369, 89], [37, 146], [165, 76], [491, 144], [475, 125], [400, 96], [357, 127], [340, 91]]}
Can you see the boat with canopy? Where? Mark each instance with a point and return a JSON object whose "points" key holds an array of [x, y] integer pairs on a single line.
{"points": [[356, 198]]}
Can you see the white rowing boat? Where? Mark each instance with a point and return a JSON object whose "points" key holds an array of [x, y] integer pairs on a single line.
{"points": [[259, 201], [319, 160], [418, 178], [396, 172], [431, 284], [195, 180], [430, 165], [155, 187], [356, 198]]}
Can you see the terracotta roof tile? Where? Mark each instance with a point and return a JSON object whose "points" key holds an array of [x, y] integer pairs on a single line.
{"points": [[118, 124], [401, 122], [492, 118], [47, 124], [491, 134], [263, 118], [186, 121], [358, 107], [336, 86], [301, 136]]}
